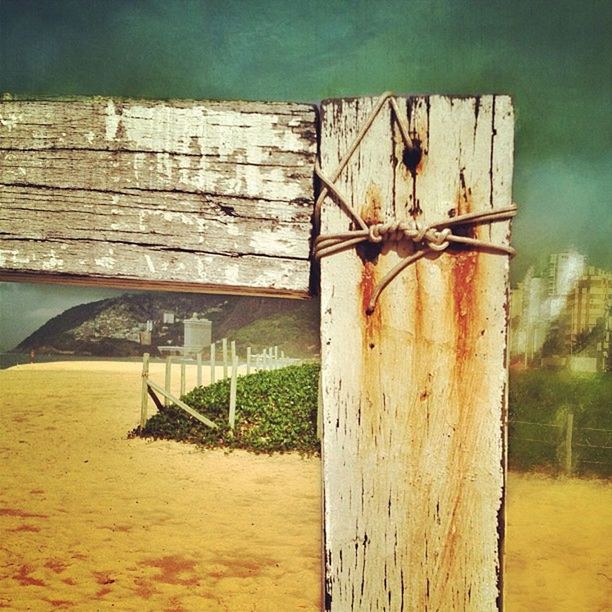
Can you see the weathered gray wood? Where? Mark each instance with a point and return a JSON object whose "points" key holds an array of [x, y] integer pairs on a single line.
{"points": [[414, 396], [175, 400], [206, 195]]}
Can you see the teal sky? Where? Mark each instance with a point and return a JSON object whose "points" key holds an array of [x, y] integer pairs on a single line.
{"points": [[554, 58]]}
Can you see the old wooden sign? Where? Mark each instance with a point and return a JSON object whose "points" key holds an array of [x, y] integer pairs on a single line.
{"points": [[218, 196]]}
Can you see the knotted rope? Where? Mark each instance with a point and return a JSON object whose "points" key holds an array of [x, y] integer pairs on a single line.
{"points": [[435, 237]]}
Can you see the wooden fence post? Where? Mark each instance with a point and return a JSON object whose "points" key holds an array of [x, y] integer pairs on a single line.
{"points": [[233, 387], [213, 364], [199, 367], [144, 394], [168, 381], [224, 355], [414, 394], [183, 377], [569, 432], [248, 360]]}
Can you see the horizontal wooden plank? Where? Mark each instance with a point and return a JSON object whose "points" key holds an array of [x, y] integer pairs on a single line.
{"points": [[240, 132], [129, 265], [153, 219], [222, 189]]}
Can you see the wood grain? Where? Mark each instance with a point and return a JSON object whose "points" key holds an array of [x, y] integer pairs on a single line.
{"points": [[212, 196], [414, 396]]}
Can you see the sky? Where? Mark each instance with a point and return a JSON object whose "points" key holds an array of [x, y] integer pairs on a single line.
{"points": [[553, 58]]}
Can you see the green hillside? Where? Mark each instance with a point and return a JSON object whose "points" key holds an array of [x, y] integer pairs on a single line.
{"points": [[112, 327]]}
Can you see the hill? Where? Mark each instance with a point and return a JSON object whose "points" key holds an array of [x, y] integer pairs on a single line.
{"points": [[112, 327]]}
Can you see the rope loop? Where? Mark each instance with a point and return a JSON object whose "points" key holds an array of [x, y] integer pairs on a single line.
{"points": [[435, 237]]}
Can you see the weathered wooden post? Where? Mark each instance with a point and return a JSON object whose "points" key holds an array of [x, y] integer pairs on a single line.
{"points": [[414, 394], [217, 196], [183, 376], [233, 389], [248, 360], [168, 379], [224, 357], [213, 364], [199, 369]]}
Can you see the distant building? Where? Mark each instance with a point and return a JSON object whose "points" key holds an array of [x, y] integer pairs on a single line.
{"points": [[198, 333], [168, 317], [587, 306], [197, 336]]}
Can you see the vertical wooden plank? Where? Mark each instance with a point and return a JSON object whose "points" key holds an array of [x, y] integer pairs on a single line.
{"points": [[248, 360], [414, 395], [199, 368], [213, 364], [233, 386], [144, 395], [168, 381], [183, 377], [224, 354]]}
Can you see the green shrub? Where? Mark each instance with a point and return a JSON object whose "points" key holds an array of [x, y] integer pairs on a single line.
{"points": [[275, 411]]}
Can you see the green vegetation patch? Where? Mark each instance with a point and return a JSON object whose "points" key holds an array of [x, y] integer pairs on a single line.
{"points": [[539, 402], [276, 411]]}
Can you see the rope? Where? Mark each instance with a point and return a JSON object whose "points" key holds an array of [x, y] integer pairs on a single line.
{"points": [[435, 237]]}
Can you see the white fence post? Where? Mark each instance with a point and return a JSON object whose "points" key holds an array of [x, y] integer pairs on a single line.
{"points": [[233, 386], [224, 353], [213, 364], [168, 382], [145, 390]]}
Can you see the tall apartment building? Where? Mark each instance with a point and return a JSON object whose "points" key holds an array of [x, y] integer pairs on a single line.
{"points": [[587, 305]]}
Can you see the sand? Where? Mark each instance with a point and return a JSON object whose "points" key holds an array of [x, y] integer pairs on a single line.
{"points": [[91, 520]]}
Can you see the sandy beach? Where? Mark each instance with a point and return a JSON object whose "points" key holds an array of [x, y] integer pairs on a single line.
{"points": [[91, 520]]}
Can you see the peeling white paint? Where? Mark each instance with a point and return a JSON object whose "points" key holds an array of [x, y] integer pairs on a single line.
{"points": [[112, 121], [163, 128], [10, 121], [150, 263], [163, 162], [89, 137], [52, 262], [105, 262]]}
